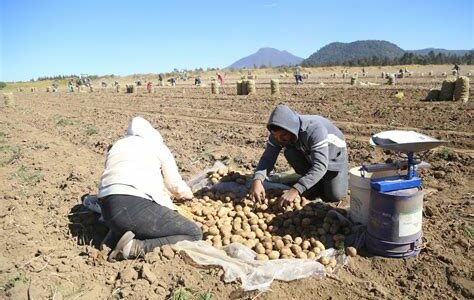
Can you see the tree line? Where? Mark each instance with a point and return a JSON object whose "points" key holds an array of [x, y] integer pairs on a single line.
{"points": [[408, 58]]}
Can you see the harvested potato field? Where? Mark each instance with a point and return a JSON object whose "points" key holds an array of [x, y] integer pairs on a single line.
{"points": [[53, 149]]}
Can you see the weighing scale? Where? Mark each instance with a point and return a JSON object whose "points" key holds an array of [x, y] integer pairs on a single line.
{"points": [[394, 227]]}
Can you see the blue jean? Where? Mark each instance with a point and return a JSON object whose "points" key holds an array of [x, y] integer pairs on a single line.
{"points": [[153, 224], [332, 187]]}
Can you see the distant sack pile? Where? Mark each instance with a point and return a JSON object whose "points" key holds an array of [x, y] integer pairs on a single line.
{"points": [[246, 87], [451, 89]]}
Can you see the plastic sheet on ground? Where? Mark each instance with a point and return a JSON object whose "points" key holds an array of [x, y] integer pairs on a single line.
{"points": [[238, 263], [202, 181]]}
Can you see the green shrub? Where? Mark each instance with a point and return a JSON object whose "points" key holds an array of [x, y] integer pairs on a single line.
{"points": [[91, 130], [29, 176], [64, 122], [446, 154]]}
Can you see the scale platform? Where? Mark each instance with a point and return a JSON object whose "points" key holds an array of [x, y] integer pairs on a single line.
{"points": [[404, 141], [407, 142]]}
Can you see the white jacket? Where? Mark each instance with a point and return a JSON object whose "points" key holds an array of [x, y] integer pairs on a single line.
{"points": [[140, 164]]}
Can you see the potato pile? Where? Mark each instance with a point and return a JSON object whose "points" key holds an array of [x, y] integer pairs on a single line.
{"points": [[299, 231], [224, 174]]}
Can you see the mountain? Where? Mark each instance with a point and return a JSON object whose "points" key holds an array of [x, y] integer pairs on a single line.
{"points": [[267, 57], [338, 53], [439, 50]]}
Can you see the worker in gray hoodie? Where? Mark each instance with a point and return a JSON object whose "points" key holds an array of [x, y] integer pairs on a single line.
{"points": [[316, 150]]}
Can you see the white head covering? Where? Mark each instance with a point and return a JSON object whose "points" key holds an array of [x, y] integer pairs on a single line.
{"points": [[140, 127]]}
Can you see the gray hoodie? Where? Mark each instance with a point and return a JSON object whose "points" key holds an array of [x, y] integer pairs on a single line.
{"points": [[321, 142]]}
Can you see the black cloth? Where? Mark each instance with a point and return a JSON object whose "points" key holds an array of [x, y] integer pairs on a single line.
{"points": [[153, 224]]}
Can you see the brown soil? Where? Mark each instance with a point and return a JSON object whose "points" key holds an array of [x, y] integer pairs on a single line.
{"points": [[52, 153]]}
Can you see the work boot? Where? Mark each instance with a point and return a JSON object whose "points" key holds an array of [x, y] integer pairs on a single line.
{"points": [[127, 247]]}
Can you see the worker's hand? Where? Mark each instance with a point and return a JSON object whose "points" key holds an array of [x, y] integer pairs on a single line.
{"points": [[257, 191], [288, 197], [188, 195]]}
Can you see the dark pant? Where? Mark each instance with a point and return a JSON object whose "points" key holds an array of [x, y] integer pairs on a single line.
{"points": [[153, 224], [332, 187], [298, 78]]}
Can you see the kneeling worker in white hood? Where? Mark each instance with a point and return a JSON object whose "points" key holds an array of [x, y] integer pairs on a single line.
{"points": [[135, 192]]}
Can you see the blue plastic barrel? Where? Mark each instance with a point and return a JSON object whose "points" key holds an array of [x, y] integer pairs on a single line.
{"points": [[394, 227]]}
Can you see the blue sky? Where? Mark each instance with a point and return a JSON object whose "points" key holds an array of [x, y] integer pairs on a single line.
{"points": [[52, 37]]}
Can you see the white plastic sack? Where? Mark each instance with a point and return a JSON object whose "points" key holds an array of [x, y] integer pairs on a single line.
{"points": [[238, 263], [201, 181]]}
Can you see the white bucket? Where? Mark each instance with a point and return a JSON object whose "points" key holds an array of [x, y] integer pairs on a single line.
{"points": [[360, 193]]}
